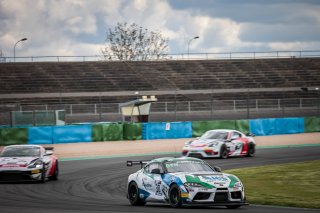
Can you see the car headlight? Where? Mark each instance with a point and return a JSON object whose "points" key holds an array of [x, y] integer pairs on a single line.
{"points": [[213, 144], [36, 164], [187, 185], [237, 185], [187, 143]]}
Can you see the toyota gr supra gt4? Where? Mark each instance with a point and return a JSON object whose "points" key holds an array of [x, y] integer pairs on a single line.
{"points": [[183, 181], [28, 163], [220, 143]]}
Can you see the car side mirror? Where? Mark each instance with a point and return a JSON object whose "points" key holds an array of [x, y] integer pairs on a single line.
{"points": [[155, 171], [250, 134], [217, 168], [48, 152]]}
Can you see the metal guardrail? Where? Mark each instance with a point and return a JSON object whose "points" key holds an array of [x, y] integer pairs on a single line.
{"points": [[178, 106], [223, 108], [180, 56]]}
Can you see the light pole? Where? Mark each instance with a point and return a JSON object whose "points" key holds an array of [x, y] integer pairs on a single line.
{"points": [[190, 42], [14, 48]]}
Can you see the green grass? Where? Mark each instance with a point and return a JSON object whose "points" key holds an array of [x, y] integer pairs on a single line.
{"points": [[293, 184]]}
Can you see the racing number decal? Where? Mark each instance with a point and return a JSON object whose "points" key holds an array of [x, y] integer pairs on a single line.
{"points": [[158, 187], [245, 143]]}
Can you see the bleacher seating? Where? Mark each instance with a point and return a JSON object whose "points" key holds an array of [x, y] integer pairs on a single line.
{"points": [[68, 77]]}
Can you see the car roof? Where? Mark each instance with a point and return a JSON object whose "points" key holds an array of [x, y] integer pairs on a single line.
{"points": [[224, 130], [23, 145], [160, 160]]}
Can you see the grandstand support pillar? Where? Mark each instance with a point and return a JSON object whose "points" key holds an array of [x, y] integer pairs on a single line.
{"points": [[248, 109], [211, 111], [283, 105], [175, 105], [318, 94], [71, 109]]}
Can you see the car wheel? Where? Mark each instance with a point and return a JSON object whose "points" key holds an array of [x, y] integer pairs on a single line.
{"points": [[133, 195], [175, 196], [223, 152], [56, 172], [251, 150], [234, 206]]}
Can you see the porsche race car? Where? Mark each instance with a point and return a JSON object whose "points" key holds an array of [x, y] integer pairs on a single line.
{"points": [[183, 181], [28, 163], [220, 143]]}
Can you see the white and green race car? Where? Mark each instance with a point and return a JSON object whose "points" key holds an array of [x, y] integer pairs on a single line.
{"points": [[183, 181]]}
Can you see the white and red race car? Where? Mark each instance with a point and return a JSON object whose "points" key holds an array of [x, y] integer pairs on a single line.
{"points": [[28, 163], [220, 143]]}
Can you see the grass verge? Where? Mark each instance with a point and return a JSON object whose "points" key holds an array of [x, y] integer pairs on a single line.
{"points": [[293, 184]]}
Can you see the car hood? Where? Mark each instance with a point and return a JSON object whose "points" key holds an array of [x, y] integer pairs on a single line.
{"points": [[16, 161], [203, 142], [209, 179]]}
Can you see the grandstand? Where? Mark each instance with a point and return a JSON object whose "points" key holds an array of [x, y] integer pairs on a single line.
{"points": [[105, 82]]}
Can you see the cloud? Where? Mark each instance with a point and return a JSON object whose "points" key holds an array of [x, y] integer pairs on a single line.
{"points": [[78, 27]]}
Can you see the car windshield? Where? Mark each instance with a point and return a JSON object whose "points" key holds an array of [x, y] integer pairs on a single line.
{"points": [[215, 135], [20, 152], [187, 166]]}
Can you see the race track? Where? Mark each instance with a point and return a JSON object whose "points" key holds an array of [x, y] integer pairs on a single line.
{"points": [[100, 186]]}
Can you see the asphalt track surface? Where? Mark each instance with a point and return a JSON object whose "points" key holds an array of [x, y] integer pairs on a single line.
{"points": [[100, 186]]}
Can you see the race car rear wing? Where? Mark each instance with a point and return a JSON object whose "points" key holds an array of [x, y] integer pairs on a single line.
{"points": [[49, 148], [141, 163]]}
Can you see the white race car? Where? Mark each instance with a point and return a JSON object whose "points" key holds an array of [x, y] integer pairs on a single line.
{"points": [[183, 181], [28, 163], [220, 143]]}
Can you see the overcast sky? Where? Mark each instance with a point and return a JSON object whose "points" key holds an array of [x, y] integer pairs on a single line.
{"points": [[78, 27]]}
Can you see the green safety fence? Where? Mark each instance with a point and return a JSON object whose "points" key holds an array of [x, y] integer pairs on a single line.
{"points": [[200, 127], [312, 124], [107, 132], [97, 134], [13, 136], [132, 131]]}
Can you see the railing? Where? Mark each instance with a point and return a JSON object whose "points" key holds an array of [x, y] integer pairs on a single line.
{"points": [[181, 110], [178, 106], [180, 56]]}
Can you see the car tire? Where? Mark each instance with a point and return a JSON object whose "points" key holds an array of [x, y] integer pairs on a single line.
{"points": [[251, 150], [233, 206], [56, 172], [223, 152], [175, 196], [133, 195]]}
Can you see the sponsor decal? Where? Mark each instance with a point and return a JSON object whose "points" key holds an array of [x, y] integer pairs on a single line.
{"points": [[146, 185], [185, 195], [35, 171], [215, 178]]}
